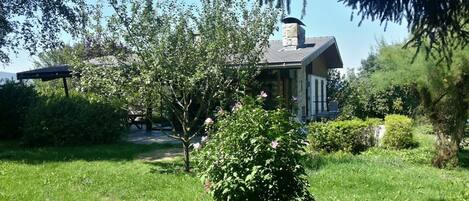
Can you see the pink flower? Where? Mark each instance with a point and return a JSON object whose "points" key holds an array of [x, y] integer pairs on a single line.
{"points": [[263, 94], [208, 121], [274, 144], [197, 146]]}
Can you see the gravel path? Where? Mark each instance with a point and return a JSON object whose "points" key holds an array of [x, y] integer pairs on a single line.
{"points": [[141, 136]]}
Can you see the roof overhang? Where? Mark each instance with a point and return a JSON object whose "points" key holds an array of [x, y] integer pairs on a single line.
{"points": [[282, 65], [329, 50]]}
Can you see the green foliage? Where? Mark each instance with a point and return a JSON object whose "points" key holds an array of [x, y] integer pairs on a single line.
{"points": [[398, 133], [365, 95], [438, 27], [38, 24], [335, 86], [443, 90], [422, 153], [254, 154], [75, 120], [15, 100], [350, 135], [184, 58], [387, 174]]}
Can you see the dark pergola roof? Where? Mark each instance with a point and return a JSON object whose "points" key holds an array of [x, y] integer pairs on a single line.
{"points": [[47, 73]]}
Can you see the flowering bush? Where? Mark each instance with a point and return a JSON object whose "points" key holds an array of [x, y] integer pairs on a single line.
{"points": [[253, 154]]}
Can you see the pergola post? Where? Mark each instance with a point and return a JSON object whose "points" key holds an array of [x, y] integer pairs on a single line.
{"points": [[65, 86]]}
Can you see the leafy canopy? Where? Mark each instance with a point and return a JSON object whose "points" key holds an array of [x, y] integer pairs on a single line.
{"points": [[34, 24]]}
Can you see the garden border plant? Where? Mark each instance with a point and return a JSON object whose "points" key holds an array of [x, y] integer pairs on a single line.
{"points": [[76, 120], [349, 135], [15, 100], [398, 133]]}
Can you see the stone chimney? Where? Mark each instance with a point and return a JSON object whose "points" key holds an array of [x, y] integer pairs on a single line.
{"points": [[293, 33]]}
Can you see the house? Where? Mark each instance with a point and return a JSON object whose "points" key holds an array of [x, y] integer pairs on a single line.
{"points": [[295, 68]]}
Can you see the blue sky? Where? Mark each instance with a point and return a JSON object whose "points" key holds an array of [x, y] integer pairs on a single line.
{"points": [[323, 18]]}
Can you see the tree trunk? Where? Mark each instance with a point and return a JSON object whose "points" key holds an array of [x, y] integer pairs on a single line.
{"points": [[187, 166], [448, 117], [148, 116], [447, 147]]}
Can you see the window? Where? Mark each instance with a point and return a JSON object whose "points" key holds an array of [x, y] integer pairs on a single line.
{"points": [[316, 96], [322, 95]]}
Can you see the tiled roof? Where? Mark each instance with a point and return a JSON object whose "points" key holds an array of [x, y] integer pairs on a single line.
{"points": [[313, 47]]}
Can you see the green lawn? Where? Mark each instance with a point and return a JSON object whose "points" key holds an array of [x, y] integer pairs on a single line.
{"points": [[92, 173], [380, 174], [114, 172]]}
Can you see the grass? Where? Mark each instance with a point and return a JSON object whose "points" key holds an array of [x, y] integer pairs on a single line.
{"points": [[380, 174], [109, 172], [116, 172]]}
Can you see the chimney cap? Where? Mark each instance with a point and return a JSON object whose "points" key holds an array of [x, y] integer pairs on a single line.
{"points": [[292, 20]]}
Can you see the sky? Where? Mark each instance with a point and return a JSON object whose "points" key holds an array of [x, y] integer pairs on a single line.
{"points": [[323, 18]]}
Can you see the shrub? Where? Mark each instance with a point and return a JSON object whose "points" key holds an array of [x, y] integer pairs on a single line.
{"points": [[254, 154], [398, 133], [350, 135], [15, 100], [60, 121]]}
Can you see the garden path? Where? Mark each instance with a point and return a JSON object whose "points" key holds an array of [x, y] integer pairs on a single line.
{"points": [[141, 136]]}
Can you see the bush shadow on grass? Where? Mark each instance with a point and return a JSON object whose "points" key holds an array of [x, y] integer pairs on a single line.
{"points": [[123, 151], [464, 158], [317, 161], [175, 166]]}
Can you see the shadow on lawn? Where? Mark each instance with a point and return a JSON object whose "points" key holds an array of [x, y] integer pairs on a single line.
{"points": [[464, 158], [168, 167], [11, 151]]}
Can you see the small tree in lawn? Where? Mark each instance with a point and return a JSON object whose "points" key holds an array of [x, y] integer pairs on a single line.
{"points": [[195, 58]]}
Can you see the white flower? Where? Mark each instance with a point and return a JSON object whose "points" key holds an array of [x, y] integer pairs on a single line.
{"points": [[204, 139], [220, 111], [263, 94], [274, 144], [197, 146], [236, 107], [294, 98], [208, 121]]}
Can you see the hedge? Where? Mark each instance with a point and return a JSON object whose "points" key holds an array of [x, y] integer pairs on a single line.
{"points": [[349, 135], [398, 133], [15, 99], [62, 121]]}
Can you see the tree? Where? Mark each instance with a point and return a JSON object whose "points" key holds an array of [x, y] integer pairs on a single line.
{"points": [[285, 5], [34, 24], [336, 84], [442, 26], [191, 59], [443, 90]]}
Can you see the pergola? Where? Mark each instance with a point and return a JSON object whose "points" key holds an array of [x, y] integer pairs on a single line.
{"points": [[48, 73]]}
